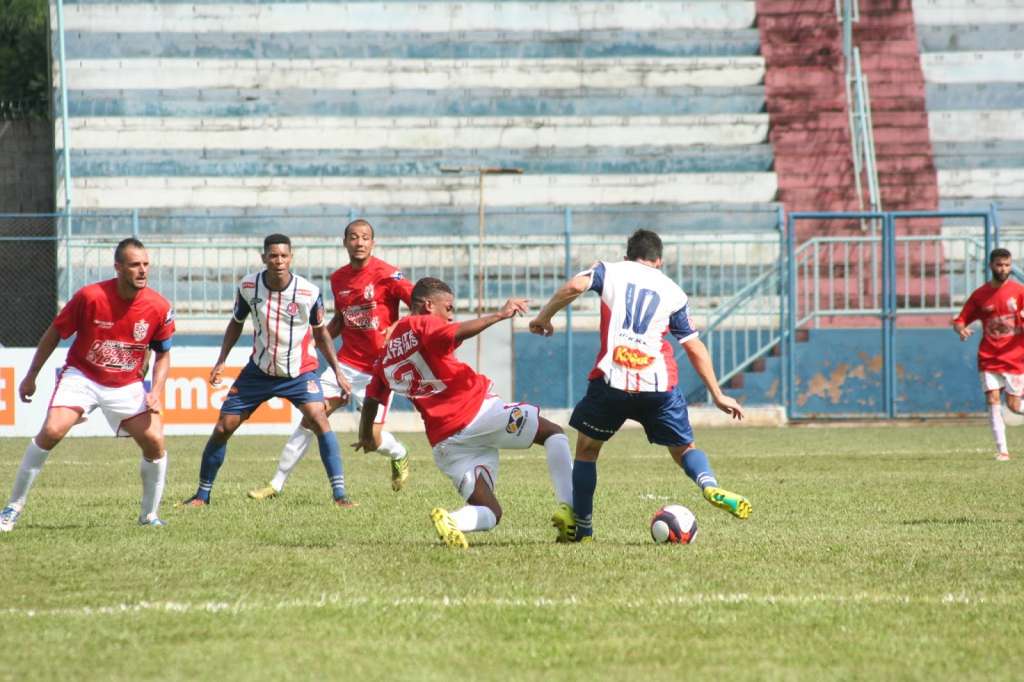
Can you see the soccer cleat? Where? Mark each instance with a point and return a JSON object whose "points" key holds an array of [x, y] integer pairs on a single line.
{"points": [[737, 505], [399, 473], [564, 520], [586, 539], [448, 533], [8, 517], [154, 522], [345, 503], [194, 501], [263, 493], [1003, 457]]}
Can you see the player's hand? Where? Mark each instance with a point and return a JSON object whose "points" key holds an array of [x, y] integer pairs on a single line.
{"points": [[27, 389], [217, 374], [513, 307], [541, 327], [729, 405], [344, 386], [366, 445], [964, 332], [153, 403]]}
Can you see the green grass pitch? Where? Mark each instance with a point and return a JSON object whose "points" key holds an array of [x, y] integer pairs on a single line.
{"points": [[872, 553]]}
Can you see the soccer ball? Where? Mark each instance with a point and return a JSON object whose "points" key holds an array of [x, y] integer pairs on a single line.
{"points": [[674, 524]]}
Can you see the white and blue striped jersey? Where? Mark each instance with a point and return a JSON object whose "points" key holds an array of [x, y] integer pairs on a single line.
{"points": [[639, 305], [282, 337]]}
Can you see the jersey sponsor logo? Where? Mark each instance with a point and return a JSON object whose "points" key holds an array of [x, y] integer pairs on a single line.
{"points": [[399, 346], [304, 292], [190, 399], [631, 358], [103, 324], [360, 316], [292, 308], [7, 403], [248, 285], [140, 329], [344, 292], [115, 355], [516, 420]]}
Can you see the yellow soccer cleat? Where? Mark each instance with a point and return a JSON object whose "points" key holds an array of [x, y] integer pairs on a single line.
{"points": [[263, 493], [737, 505], [399, 473], [564, 520], [444, 524]]}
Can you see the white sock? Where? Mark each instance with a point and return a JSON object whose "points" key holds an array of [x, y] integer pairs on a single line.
{"points": [[472, 518], [154, 474], [390, 446], [995, 418], [297, 445], [31, 465], [560, 466]]}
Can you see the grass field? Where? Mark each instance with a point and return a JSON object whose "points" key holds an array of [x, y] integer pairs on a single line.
{"points": [[872, 553]]}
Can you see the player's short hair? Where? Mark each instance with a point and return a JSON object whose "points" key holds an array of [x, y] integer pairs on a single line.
{"points": [[643, 245], [275, 238], [129, 242], [356, 223], [428, 287], [998, 253]]}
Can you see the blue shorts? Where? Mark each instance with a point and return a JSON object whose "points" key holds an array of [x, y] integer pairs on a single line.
{"points": [[253, 387], [603, 410]]}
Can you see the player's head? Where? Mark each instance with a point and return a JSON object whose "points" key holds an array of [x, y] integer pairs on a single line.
{"points": [[359, 240], [131, 263], [431, 296], [277, 253], [646, 246], [1000, 262]]}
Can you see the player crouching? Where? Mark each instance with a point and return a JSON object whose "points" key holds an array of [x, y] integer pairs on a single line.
{"points": [[466, 424]]}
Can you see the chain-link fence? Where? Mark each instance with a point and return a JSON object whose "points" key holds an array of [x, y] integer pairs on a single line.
{"points": [[28, 259]]}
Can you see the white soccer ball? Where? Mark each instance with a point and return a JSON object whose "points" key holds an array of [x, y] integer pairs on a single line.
{"points": [[674, 524]]}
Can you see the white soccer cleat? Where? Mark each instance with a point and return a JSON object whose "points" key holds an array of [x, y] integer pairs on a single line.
{"points": [[8, 517], [154, 522]]}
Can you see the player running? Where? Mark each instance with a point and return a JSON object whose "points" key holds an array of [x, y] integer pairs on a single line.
{"points": [[635, 376], [466, 424], [999, 304], [287, 313], [367, 292], [115, 322]]}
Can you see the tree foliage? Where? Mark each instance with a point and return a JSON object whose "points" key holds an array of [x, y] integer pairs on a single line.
{"points": [[24, 71]]}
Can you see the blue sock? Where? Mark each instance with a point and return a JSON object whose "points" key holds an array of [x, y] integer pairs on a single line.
{"points": [[330, 455], [584, 483], [213, 457], [697, 467]]}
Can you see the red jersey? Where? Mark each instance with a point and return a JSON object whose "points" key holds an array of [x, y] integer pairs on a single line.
{"points": [[113, 333], [1000, 310], [367, 301], [418, 362]]}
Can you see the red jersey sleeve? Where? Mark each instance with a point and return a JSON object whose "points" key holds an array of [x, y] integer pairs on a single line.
{"points": [[378, 388], [440, 336], [66, 321], [166, 328], [969, 313], [401, 289]]}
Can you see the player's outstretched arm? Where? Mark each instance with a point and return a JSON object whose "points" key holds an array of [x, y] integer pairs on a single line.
{"points": [[367, 442], [47, 343], [324, 344], [569, 292], [231, 334], [470, 328], [699, 357], [161, 366]]}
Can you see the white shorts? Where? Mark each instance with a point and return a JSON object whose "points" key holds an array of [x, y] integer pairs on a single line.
{"points": [[473, 451], [1013, 384], [359, 381], [76, 390]]}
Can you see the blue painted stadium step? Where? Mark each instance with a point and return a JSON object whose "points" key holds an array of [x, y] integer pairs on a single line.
{"points": [[407, 163], [993, 154], [972, 96], [419, 103], [377, 45], [439, 221], [971, 37]]}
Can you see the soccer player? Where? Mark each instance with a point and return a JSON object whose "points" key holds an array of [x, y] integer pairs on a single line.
{"points": [[999, 304], [466, 424], [287, 313], [367, 292], [635, 376], [115, 322]]}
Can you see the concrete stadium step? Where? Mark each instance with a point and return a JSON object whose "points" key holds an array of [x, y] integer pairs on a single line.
{"points": [[957, 12], [973, 67], [972, 37], [991, 154], [982, 183], [976, 126], [382, 163], [985, 96], [484, 44], [487, 101]]}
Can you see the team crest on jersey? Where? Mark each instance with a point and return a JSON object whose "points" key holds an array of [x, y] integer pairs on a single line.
{"points": [[368, 292], [292, 309], [140, 329], [631, 358], [1012, 304], [516, 420]]}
